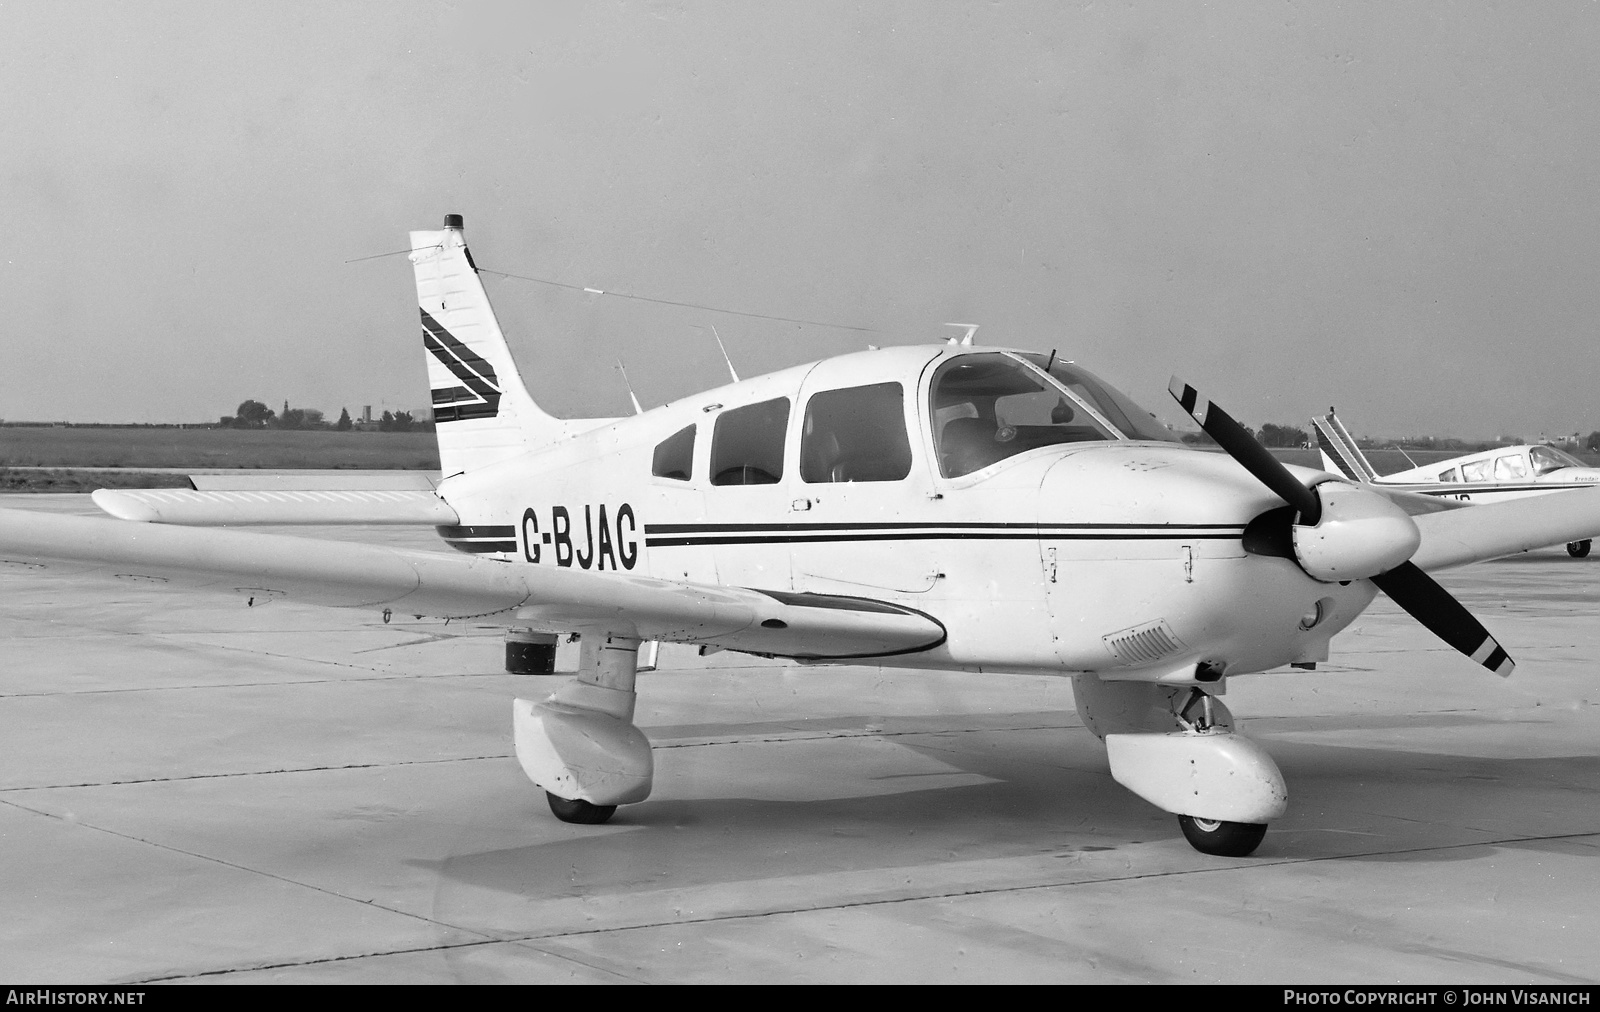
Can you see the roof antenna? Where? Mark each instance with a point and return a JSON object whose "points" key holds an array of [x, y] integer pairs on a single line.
{"points": [[636, 408], [724, 351], [966, 339]]}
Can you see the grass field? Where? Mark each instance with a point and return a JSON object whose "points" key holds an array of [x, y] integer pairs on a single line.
{"points": [[246, 448]]}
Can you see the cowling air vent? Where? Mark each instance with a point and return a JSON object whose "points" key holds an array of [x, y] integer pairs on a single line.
{"points": [[1143, 644]]}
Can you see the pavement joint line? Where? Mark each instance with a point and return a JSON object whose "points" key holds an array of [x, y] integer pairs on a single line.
{"points": [[250, 773], [261, 873], [771, 739], [375, 677], [868, 902]]}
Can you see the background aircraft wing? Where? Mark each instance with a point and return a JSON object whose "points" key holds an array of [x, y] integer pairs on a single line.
{"points": [[1493, 530], [349, 575]]}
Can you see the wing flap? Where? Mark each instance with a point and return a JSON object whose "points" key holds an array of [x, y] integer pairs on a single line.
{"points": [[344, 574], [206, 508], [1494, 530]]}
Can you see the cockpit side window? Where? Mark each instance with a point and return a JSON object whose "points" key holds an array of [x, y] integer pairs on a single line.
{"points": [[855, 434], [1450, 475], [747, 444], [986, 408], [674, 456], [1475, 470]]}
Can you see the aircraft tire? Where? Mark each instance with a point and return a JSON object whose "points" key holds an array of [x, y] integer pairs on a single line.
{"points": [[1224, 839], [1578, 549], [580, 812]]}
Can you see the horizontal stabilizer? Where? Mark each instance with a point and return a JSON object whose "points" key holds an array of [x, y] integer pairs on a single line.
{"points": [[283, 506], [550, 598], [1495, 530]]}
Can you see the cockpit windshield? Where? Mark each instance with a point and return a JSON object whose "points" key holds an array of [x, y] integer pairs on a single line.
{"points": [[1548, 458], [1112, 404], [989, 407]]}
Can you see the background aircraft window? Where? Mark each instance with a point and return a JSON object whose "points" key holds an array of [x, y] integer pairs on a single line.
{"points": [[675, 456], [855, 434], [1510, 467], [1475, 470], [747, 444], [990, 407], [1548, 458], [1450, 475], [1115, 406]]}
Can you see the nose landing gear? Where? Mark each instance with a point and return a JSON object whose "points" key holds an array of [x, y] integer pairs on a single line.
{"points": [[1578, 549]]}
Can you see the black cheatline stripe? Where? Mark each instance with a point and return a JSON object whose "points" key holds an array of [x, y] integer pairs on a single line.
{"points": [[1030, 528], [483, 547], [450, 395], [775, 539], [476, 531], [1468, 488]]}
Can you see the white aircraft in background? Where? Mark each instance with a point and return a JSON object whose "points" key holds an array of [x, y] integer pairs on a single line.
{"points": [[1505, 472], [939, 506]]}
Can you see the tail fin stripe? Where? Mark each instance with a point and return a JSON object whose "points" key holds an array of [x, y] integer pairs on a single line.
{"points": [[466, 355], [1333, 450]]}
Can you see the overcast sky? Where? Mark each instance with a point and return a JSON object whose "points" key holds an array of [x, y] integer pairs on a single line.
{"points": [[1386, 207]]}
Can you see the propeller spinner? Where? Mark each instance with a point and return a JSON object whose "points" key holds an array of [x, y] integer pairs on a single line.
{"points": [[1337, 532]]}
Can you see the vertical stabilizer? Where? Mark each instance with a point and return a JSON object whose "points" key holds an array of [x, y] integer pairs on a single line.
{"points": [[1339, 451], [481, 409]]}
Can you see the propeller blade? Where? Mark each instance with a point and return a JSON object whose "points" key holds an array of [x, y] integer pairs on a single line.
{"points": [[1242, 447], [1433, 606]]}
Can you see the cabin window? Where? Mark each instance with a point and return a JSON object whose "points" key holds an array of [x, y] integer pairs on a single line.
{"points": [[675, 456], [1450, 475], [1475, 470], [1510, 467], [856, 434], [747, 444], [989, 407]]}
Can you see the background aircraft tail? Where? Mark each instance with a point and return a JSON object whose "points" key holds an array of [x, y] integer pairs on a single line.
{"points": [[1339, 451], [481, 409]]}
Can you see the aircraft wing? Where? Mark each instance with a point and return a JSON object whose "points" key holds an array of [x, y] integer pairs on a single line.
{"points": [[349, 497], [1493, 530], [205, 508], [349, 575]]}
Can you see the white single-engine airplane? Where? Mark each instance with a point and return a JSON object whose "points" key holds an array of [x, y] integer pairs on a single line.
{"points": [[940, 506], [1505, 472]]}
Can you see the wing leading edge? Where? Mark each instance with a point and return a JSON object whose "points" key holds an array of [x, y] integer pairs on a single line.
{"points": [[348, 575]]}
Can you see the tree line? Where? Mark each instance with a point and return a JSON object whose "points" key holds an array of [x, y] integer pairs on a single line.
{"points": [[253, 414]]}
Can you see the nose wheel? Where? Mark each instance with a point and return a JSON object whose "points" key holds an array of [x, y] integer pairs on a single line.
{"points": [[1224, 839], [585, 814], [1578, 549]]}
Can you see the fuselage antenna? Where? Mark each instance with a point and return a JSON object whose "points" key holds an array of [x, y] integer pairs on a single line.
{"points": [[623, 370], [966, 339]]}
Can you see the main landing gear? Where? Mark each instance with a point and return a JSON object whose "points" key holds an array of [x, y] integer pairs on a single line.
{"points": [[1175, 747], [1578, 549], [583, 813], [580, 744], [1224, 839]]}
